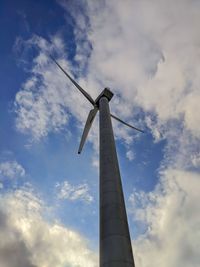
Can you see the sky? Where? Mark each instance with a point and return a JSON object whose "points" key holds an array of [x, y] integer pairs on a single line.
{"points": [[147, 52]]}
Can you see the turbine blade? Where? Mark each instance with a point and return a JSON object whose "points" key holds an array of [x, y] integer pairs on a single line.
{"points": [[88, 125], [89, 98], [126, 123]]}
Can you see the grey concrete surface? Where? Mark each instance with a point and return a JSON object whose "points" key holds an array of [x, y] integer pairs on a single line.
{"points": [[115, 243]]}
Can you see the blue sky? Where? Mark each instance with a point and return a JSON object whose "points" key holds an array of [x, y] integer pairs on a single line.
{"points": [[148, 54]]}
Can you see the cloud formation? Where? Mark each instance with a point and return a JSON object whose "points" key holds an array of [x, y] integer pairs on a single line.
{"points": [[148, 54], [29, 240], [73, 192], [10, 170], [39, 104], [170, 215], [13, 249]]}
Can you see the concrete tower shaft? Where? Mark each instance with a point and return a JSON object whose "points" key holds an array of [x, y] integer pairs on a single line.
{"points": [[115, 243]]}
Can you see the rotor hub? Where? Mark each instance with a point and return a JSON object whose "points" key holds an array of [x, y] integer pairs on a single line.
{"points": [[105, 93]]}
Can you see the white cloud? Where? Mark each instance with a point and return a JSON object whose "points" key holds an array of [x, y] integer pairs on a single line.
{"points": [[151, 63], [130, 155], [155, 58], [196, 160], [73, 192], [27, 239], [11, 170], [39, 105], [171, 216]]}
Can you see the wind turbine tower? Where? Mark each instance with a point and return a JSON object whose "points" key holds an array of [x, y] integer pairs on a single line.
{"points": [[115, 242]]}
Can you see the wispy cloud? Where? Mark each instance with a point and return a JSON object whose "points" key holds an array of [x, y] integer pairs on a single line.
{"points": [[40, 106], [130, 155], [11, 170], [73, 192]]}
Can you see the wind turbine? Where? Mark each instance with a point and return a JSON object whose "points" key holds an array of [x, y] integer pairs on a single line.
{"points": [[115, 242]]}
